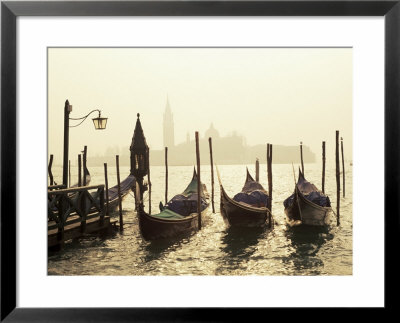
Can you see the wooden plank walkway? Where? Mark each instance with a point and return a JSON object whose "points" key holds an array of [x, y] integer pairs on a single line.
{"points": [[75, 212], [72, 231]]}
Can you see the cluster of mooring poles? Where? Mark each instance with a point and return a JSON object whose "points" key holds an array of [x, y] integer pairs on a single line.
{"points": [[269, 176], [119, 194], [77, 209], [140, 168], [337, 168], [198, 177], [81, 180]]}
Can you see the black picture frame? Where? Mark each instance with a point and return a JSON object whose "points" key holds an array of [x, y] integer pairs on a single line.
{"points": [[11, 10]]}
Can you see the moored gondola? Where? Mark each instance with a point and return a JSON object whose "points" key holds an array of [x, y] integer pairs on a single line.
{"points": [[248, 208], [307, 205], [176, 219]]}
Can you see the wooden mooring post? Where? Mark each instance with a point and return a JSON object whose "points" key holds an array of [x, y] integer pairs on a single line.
{"points": [[269, 169], [106, 183], [198, 180], [343, 169], [67, 110], [337, 179], [257, 170], [84, 164], [79, 170], [323, 167], [49, 170], [83, 223], [301, 157], [148, 179], [166, 175], [121, 219], [212, 174], [102, 212]]}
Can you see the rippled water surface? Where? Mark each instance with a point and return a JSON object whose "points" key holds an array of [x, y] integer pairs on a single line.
{"points": [[216, 249]]}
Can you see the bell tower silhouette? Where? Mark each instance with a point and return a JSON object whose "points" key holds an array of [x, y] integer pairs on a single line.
{"points": [[168, 124]]}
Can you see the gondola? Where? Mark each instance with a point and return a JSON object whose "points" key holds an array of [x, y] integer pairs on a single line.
{"points": [[176, 219], [238, 213], [307, 205], [126, 186]]}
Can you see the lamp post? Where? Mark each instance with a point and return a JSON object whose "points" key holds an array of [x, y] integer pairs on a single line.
{"points": [[139, 156], [99, 124]]}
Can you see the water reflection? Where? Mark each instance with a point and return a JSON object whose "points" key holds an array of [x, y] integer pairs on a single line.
{"points": [[306, 242], [214, 250], [241, 243], [155, 250], [82, 244]]}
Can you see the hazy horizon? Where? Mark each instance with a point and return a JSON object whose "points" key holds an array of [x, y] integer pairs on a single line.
{"points": [[277, 95]]}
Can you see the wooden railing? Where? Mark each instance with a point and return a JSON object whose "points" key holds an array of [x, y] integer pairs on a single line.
{"points": [[73, 205], [56, 187]]}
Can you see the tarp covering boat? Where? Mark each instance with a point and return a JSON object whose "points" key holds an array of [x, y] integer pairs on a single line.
{"points": [[256, 198], [169, 214], [252, 193], [310, 192], [185, 203], [126, 186]]}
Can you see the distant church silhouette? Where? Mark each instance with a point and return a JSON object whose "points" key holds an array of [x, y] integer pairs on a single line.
{"points": [[168, 125], [230, 149]]}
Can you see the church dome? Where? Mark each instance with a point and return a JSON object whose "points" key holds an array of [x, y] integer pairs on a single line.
{"points": [[211, 132]]}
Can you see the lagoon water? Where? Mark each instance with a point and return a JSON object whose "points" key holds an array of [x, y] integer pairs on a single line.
{"points": [[216, 249]]}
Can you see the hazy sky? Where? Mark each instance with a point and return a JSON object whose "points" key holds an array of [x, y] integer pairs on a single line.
{"points": [[276, 95]]}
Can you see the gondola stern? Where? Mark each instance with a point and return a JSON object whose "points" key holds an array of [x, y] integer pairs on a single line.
{"points": [[223, 192], [249, 178], [301, 175], [194, 173]]}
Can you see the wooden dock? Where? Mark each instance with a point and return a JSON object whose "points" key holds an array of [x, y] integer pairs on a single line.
{"points": [[75, 212], [72, 231]]}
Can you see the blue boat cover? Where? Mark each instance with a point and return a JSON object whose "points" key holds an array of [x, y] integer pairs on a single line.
{"points": [[310, 192], [257, 198], [185, 205], [252, 193], [125, 186]]}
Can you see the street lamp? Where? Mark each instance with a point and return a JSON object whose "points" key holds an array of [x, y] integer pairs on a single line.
{"points": [[99, 124]]}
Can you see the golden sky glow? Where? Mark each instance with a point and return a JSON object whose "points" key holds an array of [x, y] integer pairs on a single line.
{"points": [[277, 95]]}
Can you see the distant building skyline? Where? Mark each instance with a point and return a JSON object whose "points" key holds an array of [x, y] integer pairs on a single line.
{"points": [[168, 126], [228, 149], [277, 95]]}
